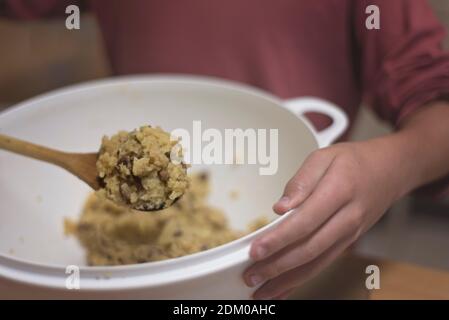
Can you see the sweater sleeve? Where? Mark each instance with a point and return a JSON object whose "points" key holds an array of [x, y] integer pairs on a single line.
{"points": [[402, 65]]}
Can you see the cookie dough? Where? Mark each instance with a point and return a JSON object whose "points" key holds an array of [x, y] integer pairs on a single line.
{"points": [[135, 169], [115, 235]]}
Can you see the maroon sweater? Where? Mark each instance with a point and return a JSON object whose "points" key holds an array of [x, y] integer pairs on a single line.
{"points": [[288, 47]]}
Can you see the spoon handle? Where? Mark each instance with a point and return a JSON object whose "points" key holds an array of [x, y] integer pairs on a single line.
{"points": [[33, 150]]}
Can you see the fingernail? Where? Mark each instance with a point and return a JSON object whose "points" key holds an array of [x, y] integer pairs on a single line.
{"points": [[261, 252], [284, 201], [255, 280]]}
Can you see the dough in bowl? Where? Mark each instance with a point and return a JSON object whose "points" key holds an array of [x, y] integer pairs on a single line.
{"points": [[116, 235]]}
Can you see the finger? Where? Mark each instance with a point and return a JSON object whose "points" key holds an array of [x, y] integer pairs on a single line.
{"points": [[298, 276], [343, 224], [330, 195], [303, 182]]}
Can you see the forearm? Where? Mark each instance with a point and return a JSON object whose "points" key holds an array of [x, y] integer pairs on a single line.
{"points": [[339, 192], [420, 148]]}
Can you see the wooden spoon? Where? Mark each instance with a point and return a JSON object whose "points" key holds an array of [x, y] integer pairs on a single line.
{"points": [[82, 165]]}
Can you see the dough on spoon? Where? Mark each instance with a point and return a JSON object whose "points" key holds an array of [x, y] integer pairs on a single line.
{"points": [[136, 169]]}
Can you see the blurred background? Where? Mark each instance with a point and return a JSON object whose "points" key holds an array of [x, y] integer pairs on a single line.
{"points": [[44, 55]]}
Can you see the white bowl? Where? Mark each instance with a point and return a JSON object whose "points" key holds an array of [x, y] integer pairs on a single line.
{"points": [[35, 197]]}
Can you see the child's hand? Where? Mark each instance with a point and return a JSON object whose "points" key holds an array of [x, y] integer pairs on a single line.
{"points": [[341, 191]]}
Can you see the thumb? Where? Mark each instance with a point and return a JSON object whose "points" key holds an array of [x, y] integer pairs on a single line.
{"points": [[302, 184]]}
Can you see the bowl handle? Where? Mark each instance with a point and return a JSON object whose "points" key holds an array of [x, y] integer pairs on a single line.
{"points": [[325, 137]]}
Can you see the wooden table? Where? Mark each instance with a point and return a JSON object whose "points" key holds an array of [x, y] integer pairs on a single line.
{"points": [[345, 279]]}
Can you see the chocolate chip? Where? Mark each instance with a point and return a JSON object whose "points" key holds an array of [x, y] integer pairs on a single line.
{"points": [[127, 161], [203, 176], [163, 175], [177, 233], [101, 182], [146, 206], [135, 181]]}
